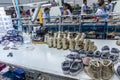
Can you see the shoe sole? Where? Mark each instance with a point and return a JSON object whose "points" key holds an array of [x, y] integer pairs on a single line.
{"points": [[76, 73], [66, 72]]}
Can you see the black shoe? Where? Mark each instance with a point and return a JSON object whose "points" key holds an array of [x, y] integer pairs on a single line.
{"points": [[97, 54], [66, 67], [76, 68], [90, 54], [105, 48]]}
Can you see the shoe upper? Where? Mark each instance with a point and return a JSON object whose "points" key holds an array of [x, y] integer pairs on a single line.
{"points": [[113, 58], [75, 66], [115, 50], [105, 55], [66, 65], [105, 48], [97, 54], [90, 54]]}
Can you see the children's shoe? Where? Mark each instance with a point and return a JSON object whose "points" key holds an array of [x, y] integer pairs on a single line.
{"points": [[66, 67], [115, 51], [105, 55], [97, 54], [107, 69], [105, 48], [76, 68], [77, 58], [90, 54], [93, 69], [70, 57], [113, 58], [82, 53]]}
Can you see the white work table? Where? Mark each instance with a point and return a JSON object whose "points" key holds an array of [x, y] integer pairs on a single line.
{"points": [[45, 59]]}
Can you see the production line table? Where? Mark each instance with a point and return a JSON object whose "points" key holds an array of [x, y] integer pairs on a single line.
{"points": [[46, 60]]}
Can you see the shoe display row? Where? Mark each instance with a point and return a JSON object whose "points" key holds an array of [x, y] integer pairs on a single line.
{"points": [[69, 40]]}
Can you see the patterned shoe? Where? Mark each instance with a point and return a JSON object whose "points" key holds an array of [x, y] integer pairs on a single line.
{"points": [[77, 58], [115, 51], [76, 68], [113, 58], [105, 55], [70, 57], [66, 67], [82, 53], [97, 54], [105, 48], [93, 69], [107, 69], [90, 54]]}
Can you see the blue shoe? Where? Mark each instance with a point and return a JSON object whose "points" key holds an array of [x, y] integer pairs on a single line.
{"points": [[90, 54], [105, 48], [105, 55], [66, 67], [113, 58], [115, 51], [82, 53], [77, 58], [76, 68], [97, 54], [70, 57]]}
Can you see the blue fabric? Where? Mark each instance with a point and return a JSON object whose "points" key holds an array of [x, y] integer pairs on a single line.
{"points": [[104, 15]]}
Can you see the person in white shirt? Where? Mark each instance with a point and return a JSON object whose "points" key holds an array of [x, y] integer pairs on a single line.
{"points": [[67, 11], [84, 7], [101, 12], [109, 6], [46, 15]]}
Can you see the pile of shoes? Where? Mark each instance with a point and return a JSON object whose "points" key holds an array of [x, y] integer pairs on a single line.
{"points": [[13, 36], [73, 64], [100, 69], [96, 64], [69, 40]]}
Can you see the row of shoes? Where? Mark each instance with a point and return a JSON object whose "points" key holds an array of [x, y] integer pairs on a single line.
{"points": [[69, 40], [105, 53]]}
